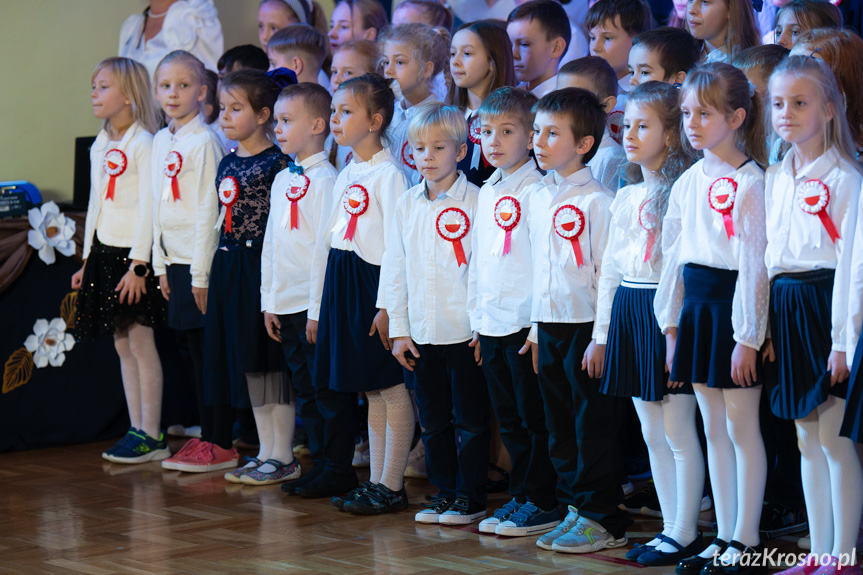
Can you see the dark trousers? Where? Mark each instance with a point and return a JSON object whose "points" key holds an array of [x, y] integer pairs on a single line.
{"points": [[217, 421], [583, 427], [517, 403], [327, 415], [453, 405], [784, 483]]}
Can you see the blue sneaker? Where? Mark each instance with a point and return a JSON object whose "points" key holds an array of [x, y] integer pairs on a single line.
{"points": [[501, 514], [139, 449], [528, 520], [124, 441]]}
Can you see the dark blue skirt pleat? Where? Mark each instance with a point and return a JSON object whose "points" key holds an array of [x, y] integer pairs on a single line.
{"points": [[852, 423], [346, 357]]}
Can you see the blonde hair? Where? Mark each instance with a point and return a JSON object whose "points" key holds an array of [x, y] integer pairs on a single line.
{"points": [[837, 133], [427, 44], [186, 59], [133, 82], [434, 115], [724, 87]]}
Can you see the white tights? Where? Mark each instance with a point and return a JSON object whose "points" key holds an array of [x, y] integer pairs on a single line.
{"points": [[832, 479], [275, 423], [141, 371], [391, 432], [676, 462]]}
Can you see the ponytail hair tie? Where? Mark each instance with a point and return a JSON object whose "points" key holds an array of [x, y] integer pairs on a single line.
{"points": [[752, 89], [282, 77]]}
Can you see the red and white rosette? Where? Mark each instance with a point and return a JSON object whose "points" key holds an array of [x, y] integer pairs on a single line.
{"points": [[813, 196], [507, 213], [474, 134], [355, 202], [721, 196], [299, 187], [114, 164], [229, 193], [173, 164], [408, 156], [568, 222], [452, 225], [647, 221], [615, 125], [349, 157]]}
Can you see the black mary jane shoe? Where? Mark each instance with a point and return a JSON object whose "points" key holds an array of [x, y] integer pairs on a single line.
{"points": [[750, 562], [640, 548], [693, 565], [656, 558]]}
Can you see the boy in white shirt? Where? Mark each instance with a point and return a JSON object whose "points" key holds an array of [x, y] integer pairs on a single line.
{"points": [[428, 256], [568, 220], [540, 34], [501, 296], [300, 48]]}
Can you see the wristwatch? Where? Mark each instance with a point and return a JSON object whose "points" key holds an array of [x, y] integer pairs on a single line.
{"points": [[140, 270]]}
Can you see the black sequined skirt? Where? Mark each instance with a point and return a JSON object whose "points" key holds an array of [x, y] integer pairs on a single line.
{"points": [[100, 312]]}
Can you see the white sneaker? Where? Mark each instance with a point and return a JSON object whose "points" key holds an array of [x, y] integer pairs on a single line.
{"points": [[416, 467], [546, 541], [501, 514], [586, 537], [432, 514], [463, 512], [628, 488]]}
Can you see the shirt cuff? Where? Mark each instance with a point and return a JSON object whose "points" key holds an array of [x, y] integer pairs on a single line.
{"points": [[399, 328], [533, 335]]}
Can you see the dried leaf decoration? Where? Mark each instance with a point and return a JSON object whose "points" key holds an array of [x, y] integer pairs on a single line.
{"points": [[69, 309], [18, 369]]}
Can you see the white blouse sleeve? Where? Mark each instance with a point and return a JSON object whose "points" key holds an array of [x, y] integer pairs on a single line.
{"points": [[196, 28], [206, 213], [390, 190], [609, 278], [142, 245], [749, 309], [669, 294], [395, 281], [843, 282], [158, 256], [854, 324]]}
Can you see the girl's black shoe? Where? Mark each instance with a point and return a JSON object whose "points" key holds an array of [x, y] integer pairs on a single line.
{"points": [[376, 500]]}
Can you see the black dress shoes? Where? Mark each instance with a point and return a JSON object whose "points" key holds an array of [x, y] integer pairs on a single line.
{"points": [[693, 565], [327, 484]]}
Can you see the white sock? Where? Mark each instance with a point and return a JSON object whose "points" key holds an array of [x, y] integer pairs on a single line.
{"points": [[284, 420], [142, 346], [264, 424], [661, 462], [400, 433], [377, 434], [742, 408]]}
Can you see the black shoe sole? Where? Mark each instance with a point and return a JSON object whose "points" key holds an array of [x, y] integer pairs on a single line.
{"points": [[364, 510]]}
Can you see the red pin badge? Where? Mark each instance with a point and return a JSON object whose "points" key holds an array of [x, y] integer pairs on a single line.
{"points": [[647, 221], [813, 196], [173, 164], [474, 134], [349, 157], [507, 213], [568, 223], [615, 125], [721, 196], [408, 156], [114, 163], [229, 192], [299, 187], [355, 202], [452, 225]]}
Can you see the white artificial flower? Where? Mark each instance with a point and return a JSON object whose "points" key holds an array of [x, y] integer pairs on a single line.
{"points": [[51, 230], [49, 342]]}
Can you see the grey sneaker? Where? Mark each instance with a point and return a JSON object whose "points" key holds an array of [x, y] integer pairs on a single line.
{"points": [[586, 537], [546, 541]]}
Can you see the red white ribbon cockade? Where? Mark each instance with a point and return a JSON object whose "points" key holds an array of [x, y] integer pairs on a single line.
{"points": [[229, 193], [299, 187], [721, 196], [474, 134], [355, 202], [173, 164], [408, 156], [647, 221], [114, 163], [507, 213], [452, 225], [349, 157], [615, 125], [568, 223], [814, 197]]}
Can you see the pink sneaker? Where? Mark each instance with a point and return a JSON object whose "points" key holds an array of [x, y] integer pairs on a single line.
{"points": [[807, 567], [834, 569], [189, 447], [208, 457]]}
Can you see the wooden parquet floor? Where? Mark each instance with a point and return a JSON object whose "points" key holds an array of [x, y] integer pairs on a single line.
{"points": [[65, 511]]}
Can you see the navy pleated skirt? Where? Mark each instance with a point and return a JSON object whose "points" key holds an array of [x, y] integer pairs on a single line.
{"points": [[705, 336], [346, 357], [800, 321], [183, 312], [852, 424], [635, 351]]}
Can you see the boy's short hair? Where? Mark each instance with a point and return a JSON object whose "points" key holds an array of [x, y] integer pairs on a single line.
{"points": [[635, 15], [599, 71], [584, 111], [316, 99], [763, 58], [509, 101], [302, 38], [551, 16], [448, 119], [245, 56], [678, 50]]}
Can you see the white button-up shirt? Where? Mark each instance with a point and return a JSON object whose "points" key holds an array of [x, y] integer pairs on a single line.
{"points": [[608, 163], [563, 291], [854, 325], [127, 220], [385, 181], [797, 241], [426, 286], [183, 230], [286, 258], [500, 284], [541, 89], [624, 253], [397, 136], [693, 232]]}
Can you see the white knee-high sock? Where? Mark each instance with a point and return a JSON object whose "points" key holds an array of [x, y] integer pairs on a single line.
{"points": [[377, 434], [129, 374], [661, 461], [816, 484], [142, 345], [264, 424], [284, 420], [742, 406], [679, 419], [400, 433], [721, 462]]}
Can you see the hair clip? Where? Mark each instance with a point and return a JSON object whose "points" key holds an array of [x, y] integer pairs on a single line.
{"points": [[812, 55], [758, 5], [283, 77], [676, 85]]}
